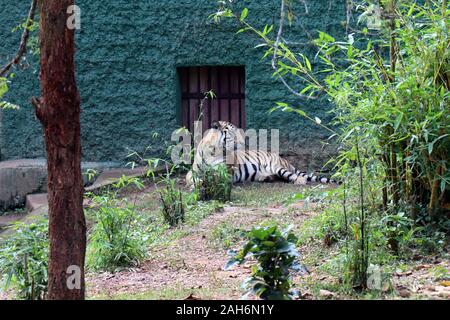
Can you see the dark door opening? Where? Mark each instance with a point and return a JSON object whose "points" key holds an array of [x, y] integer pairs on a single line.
{"points": [[228, 85]]}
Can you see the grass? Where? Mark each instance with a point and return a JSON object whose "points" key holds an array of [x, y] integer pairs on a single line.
{"points": [[17, 211], [262, 194], [225, 235], [163, 294], [172, 293], [212, 229]]}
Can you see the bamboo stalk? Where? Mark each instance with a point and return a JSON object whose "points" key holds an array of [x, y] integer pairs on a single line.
{"points": [[433, 206]]}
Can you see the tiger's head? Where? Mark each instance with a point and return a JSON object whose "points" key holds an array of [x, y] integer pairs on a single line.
{"points": [[231, 138], [216, 145]]}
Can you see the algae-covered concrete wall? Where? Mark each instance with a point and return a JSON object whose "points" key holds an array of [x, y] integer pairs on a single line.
{"points": [[128, 54]]}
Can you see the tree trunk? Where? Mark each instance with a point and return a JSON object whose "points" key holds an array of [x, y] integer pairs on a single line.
{"points": [[59, 112], [433, 206]]}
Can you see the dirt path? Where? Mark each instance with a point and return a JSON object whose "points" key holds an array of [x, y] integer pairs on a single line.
{"points": [[191, 265], [189, 260]]}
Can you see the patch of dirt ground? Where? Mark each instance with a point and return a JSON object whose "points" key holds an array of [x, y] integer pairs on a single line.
{"points": [[193, 264], [189, 262]]}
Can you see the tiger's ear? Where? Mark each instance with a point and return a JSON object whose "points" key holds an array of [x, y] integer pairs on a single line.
{"points": [[215, 125]]}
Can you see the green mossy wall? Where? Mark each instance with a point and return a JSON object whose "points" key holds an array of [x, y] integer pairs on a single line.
{"points": [[128, 52]]}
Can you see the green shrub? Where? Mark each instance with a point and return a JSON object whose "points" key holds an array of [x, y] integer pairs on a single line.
{"points": [[173, 206], [214, 183], [116, 239], [276, 254], [390, 85], [24, 260], [398, 230], [331, 224]]}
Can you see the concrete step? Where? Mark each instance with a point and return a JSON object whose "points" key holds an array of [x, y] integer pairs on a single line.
{"points": [[110, 176], [36, 201], [18, 178]]}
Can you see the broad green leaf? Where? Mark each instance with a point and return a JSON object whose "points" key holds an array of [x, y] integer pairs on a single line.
{"points": [[244, 14]]}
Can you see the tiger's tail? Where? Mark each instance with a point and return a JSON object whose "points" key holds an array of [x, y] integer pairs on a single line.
{"points": [[317, 178]]}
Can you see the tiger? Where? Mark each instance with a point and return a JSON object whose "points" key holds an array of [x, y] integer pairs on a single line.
{"points": [[244, 165]]}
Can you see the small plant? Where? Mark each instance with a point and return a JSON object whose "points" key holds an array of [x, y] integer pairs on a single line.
{"points": [[214, 183], [24, 260], [399, 229], [173, 207], [116, 240], [276, 254], [89, 176]]}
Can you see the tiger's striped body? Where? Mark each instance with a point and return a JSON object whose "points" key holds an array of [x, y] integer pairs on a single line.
{"points": [[245, 165], [261, 166]]}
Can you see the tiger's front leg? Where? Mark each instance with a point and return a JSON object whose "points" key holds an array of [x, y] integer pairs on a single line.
{"points": [[292, 177], [301, 180]]}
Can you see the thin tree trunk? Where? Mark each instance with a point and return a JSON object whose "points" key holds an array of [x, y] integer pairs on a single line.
{"points": [[59, 112], [433, 206], [393, 59], [394, 177]]}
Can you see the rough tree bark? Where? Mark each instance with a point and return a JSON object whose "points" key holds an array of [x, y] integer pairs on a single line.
{"points": [[59, 112]]}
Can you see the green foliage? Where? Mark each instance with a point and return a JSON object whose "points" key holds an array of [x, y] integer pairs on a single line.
{"points": [[173, 207], [276, 255], [391, 92], [440, 273], [33, 40], [90, 175], [117, 239], [198, 211], [33, 46], [3, 90], [24, 260], [213, 183], [398, 229], [327, 227]]}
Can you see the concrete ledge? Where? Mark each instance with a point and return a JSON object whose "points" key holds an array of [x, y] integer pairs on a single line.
{"points": [[108, 177], [37, 202], [19, 178]]}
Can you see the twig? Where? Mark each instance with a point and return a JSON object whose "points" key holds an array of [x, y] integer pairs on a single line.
{"points": [[306, 6], [275, 52], [23, 41]]}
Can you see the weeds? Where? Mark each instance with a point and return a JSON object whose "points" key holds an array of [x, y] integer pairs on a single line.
{"points": [[117, 239], [173, 206], [23, 260], [225, 235], [213, 183]]}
